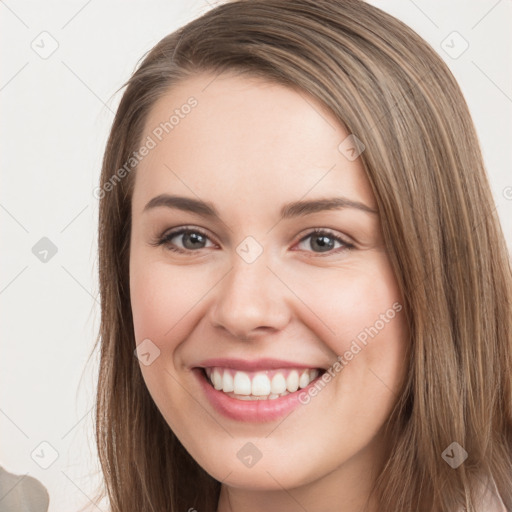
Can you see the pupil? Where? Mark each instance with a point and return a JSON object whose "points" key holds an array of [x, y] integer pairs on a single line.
{"points": [[194, 238], [322, 244]]}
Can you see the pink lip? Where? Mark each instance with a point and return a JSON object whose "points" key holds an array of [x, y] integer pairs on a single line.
{"points": [[257, 411], [248, 366]]}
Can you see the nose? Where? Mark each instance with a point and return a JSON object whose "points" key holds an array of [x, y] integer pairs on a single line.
{"points": [[251, 301]]}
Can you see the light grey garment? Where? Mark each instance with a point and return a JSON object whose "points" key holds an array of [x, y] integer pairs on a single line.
{"points": [[22, 493]]}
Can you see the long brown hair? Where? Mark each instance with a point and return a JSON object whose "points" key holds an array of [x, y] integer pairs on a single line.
{"points": [[422, 158]]}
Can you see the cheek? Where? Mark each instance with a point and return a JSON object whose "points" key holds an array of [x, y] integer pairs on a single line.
{"points": [[358, 303], [161, 297], [364, 313]]}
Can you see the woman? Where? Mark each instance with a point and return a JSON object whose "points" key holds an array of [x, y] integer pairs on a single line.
{"points": [[306, 294]]}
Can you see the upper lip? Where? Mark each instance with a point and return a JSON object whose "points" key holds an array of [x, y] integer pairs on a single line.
{"points": [[255, 365]]}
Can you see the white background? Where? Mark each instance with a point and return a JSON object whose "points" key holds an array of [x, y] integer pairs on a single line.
{"points": [[56, 113]]}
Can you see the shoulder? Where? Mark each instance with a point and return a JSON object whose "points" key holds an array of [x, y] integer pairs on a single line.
{"points": [[22, 492]]}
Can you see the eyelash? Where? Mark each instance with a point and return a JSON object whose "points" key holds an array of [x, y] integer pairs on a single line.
{"points": [[163, 240]]}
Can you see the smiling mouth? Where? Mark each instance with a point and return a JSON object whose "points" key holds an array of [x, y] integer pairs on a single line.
{"points": [[260, 385]]}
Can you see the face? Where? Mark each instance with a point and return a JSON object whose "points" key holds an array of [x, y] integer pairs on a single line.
{"points": [[264, 286]]}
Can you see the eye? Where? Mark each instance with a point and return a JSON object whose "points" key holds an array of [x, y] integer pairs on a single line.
{"points": [[323, 241], [191, 239]]}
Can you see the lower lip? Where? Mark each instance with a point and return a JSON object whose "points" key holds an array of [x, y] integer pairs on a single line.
{"points": [[257, 411]]}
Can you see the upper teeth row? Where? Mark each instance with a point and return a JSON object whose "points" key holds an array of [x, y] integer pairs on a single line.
{"points": [[260, 383]]}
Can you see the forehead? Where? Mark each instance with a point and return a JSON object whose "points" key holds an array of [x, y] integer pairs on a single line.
{"points": [[239, 138]]}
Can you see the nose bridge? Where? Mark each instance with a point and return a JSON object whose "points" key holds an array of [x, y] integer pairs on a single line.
{"points": [[250, 296]]}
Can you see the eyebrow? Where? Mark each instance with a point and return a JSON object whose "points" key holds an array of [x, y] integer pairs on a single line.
{"points": [[288, 211]]}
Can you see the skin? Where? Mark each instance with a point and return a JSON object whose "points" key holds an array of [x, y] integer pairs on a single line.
{"points": [[249, 147]]}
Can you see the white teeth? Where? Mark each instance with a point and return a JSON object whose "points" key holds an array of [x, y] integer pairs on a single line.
{"points": [[259, 386], [303, 380], [292, 381], [278, 385], [217, 379], [227, 383], [242, 384]]}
